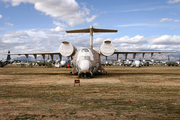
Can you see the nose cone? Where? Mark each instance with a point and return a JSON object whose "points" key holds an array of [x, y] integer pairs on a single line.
{"points": [[137, 63], [84, 66], [63, 62]]}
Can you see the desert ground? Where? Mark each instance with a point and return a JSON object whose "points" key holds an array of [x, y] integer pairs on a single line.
{"points": [[125, 93]]}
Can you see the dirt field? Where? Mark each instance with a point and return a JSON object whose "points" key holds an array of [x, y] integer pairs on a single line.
{"points": [[124, 93]]}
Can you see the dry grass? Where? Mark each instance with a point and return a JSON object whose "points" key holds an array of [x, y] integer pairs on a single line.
{"points": [[124, 93]]}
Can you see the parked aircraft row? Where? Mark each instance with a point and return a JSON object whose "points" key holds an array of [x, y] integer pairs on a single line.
{"points": [[86, 61]]}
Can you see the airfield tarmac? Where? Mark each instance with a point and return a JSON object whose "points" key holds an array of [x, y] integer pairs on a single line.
{"points": [[123, 93]]}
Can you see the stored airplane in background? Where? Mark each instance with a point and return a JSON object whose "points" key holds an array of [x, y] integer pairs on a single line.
{"points": [[136, 63], [172, 63], [7, 61], [86, 61], [144, 63], [63, 63], [127, 62]]}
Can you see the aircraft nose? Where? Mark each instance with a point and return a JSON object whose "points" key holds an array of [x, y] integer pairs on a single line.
{"points": [[84, 66]]}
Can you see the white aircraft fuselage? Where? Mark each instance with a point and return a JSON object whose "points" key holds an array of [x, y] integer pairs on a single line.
{"points": [[136, 63], [86, 62], [63, 63]]}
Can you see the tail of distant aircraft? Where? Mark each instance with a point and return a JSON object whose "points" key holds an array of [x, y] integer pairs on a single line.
{"points": [[168, 58], [7, 61], [8, 56]]}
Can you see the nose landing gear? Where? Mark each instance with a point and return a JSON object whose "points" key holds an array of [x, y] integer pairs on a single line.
{"points": [[85, 75]]}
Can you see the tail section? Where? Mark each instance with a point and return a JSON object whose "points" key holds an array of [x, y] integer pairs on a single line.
{"points": [[8, 56]]}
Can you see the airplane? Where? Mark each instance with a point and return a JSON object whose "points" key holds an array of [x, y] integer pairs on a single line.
{"points": [[151, 62], [65, 63], [106, 63], [2, 64], [136, 63], [127, 62], [172, 63], [120, 62], [86, 61], [144, 63], [7, 61]]}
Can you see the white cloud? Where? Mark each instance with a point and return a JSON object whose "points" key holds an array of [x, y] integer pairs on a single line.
{"points": [[65, 10], [58, 29], [9, 24], [95, 24], [73, 34], [90, 19], [133, 25], [173, 1], [98, 41], [173, 13], [165, 19], [136, 10], [16, 34], [166, 40], [0, 16], [59, 24], [37, 40], [36, 33], [34, 40], [176, 20], [134, 40]]}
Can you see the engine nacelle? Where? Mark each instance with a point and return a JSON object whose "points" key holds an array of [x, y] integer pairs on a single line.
{"points": [[107, 48], [67, 49]]}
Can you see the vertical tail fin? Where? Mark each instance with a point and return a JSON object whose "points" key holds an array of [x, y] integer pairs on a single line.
{"points": [[8, 56], [168, 58]]}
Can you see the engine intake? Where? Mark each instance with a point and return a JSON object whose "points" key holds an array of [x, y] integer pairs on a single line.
{"points": [[67, 49], [107, 48]]}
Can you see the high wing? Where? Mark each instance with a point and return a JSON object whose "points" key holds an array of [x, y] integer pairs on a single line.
{"points": [[143, 53], [38, 53]]}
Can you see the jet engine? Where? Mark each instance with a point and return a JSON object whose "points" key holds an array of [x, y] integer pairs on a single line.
{"points": [[67, 49], [107, 48]]}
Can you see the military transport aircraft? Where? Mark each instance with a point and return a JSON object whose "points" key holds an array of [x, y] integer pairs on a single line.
{"points": [[86, 61]]}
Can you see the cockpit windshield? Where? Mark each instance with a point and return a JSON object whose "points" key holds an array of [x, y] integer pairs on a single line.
{"points": [[84, 50]]}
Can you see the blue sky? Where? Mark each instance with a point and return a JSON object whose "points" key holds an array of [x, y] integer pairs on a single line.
{"points": [[38, 26]]}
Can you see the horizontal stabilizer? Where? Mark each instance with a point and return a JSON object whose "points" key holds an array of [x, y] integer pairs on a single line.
{"points": [[103, 30], [87, 30]]}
